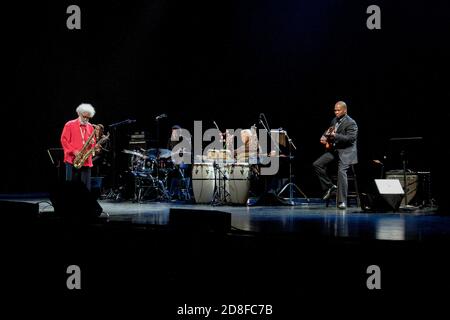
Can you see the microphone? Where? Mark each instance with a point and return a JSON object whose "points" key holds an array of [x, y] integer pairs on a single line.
{"points": [[161, 116], [262, 118]]}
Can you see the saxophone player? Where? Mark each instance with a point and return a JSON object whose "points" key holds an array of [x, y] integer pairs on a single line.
{"points": [[77, 137]]}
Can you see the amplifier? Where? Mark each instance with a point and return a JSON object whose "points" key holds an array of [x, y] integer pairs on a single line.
{"points": [[412, 181], [138, 140]]}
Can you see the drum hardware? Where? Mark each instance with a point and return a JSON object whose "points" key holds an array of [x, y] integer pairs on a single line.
{"points": [[150, 175], [180, 183], [221, 195], [184, 186], [144, 185], [134, 153]]}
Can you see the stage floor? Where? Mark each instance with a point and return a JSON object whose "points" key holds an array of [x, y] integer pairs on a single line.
{"points": [[277, 255], [307, 219]]}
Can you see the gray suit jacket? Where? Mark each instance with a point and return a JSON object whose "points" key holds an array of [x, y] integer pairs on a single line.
{"points": [[345, 140]]}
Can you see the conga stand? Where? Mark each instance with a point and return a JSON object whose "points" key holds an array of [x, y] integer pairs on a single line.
{"points": [[291, 185], [220, 193]]}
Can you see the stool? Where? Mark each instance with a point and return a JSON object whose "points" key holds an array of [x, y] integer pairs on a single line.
{"points": [[352, 192]]}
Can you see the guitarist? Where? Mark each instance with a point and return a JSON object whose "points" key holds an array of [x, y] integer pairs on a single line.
{"points": [[340, 143]]}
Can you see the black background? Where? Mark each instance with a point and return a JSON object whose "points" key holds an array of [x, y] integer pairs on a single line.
{"points": [[226, 61]]}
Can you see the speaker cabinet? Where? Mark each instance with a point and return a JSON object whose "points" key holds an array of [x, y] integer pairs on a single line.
{"points": [[71, 199], [412, 181], [15, 211]]}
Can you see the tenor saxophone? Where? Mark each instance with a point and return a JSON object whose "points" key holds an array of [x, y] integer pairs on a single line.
{"points": [[85, 152]]}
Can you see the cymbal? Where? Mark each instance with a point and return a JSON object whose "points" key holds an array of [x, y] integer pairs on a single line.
{"points": [[134, 153], [163, 153], [181, 152]]}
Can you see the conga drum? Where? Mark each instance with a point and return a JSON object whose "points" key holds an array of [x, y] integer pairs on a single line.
{"points": [[203, 182], [238, 182]]}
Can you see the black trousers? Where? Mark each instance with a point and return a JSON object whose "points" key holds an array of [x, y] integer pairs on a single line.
{"points": [[83, 174], [320, 167]]}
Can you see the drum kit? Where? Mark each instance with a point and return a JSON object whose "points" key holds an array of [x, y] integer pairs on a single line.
{"points": [[150, 169], [218, 179]]}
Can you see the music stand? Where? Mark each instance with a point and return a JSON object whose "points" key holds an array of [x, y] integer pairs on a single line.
{"points": [[56, 156], [404, 143]]}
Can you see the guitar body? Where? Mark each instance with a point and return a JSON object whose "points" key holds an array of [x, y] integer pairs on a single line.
{"points": [[330, 138]]}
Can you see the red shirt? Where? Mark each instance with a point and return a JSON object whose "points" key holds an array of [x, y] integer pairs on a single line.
{"points": [[73, 137]]}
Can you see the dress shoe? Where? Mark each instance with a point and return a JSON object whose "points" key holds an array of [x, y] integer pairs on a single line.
{"points": [[329, 191], [342, 206]]}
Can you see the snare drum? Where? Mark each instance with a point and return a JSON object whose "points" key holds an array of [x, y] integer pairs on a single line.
{"points": [[203, 182], [238, 182]]}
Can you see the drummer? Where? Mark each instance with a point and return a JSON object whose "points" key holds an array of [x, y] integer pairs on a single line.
{"points": [[179, 179], [174, 137]]}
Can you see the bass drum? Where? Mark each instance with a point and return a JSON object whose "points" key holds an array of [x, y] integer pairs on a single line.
{"points": [[203, 182], [238, 182]]}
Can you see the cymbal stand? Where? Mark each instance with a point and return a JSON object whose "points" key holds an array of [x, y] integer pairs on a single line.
{"points": [[161, 186], [163, 193]]}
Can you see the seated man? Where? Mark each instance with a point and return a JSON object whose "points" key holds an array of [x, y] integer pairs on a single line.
{"points": [[248, 148]]}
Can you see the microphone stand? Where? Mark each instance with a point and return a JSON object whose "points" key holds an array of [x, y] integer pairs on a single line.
{"points": [[221, 135], [161, 186], [268, 131], [114, 192], [267, 128], [291, 184]]}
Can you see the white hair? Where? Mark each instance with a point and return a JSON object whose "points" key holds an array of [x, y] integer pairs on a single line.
{"points": [[86, 107]]}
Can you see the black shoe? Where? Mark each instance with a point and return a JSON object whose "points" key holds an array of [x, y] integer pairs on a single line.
{"points": [[329, 191]]}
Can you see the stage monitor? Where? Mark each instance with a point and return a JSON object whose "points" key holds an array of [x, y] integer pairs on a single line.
{"points": [[387, 196]]}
